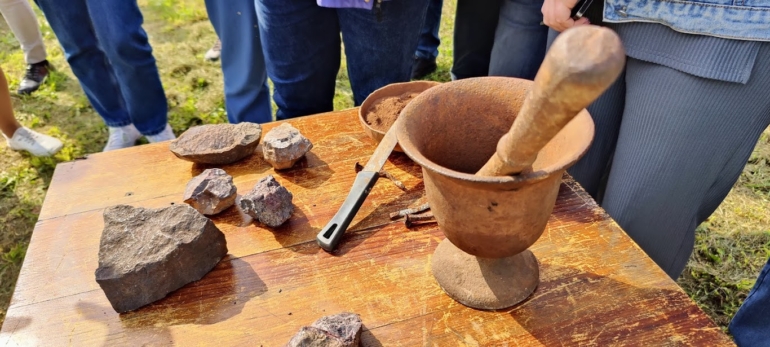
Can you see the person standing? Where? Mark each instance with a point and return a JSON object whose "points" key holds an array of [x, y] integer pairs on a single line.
{"points": [[247, 95], [676, 129], [301, 42], [17, 137], [109, 52], [498, 38], [427, 45], [23, 23]]}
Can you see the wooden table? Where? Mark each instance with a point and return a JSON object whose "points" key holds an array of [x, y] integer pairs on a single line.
{"points": [[597, 287]]}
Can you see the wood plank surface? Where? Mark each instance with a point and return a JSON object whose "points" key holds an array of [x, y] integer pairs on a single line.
{"points": [[597, 287]]}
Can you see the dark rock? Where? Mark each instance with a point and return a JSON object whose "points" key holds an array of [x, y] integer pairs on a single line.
{"points": [[144, 254], [217, 144], [268, 202], [283, 146], [346, 326], [314, 337], [210, 192]]}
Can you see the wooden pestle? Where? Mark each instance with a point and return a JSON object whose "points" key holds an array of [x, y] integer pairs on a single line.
{"points": [[580, 65]]}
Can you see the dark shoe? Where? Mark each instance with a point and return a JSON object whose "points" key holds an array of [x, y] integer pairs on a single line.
{"points": [[34, 77], [422, 67]]}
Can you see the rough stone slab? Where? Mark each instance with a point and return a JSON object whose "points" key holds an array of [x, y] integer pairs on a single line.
{"points": [[210, 192], [314, 337], [346, 326], [269, 202], [283, 146], [145, 254], [217, 144]]}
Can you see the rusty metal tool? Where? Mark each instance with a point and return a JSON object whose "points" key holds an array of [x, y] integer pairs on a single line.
{"points": [[572, 76], [330, 235]]}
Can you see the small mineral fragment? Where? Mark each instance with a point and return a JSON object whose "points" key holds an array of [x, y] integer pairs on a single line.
{"points": [[210, 192], [346, 326], [217, 144], [145, 254], [268, 202], [314, 337], [283, 146]]}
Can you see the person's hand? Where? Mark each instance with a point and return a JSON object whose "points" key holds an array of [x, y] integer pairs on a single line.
{"points": [[556, 14]]}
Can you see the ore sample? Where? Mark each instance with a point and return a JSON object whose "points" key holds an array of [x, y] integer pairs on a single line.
{"points": [[314, 337], [210, 192], [343, 329], [217, 144], [283, 146], [345, 325], [145, 254], [269, 202]]}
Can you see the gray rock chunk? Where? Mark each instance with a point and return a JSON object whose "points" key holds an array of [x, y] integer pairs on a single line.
{"points": [[346, 326], [283, 146], [145, 254], [210, 192], [269, 202], [217, 144], [314, 337]]}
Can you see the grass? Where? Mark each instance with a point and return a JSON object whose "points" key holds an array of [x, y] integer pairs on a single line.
{"points": [[731, 246]]}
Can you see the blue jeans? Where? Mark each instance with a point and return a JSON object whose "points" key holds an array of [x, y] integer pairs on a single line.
{"points": [[520, 40], [247, 96], [427, 46], [751, 325], [302, 49], [108, 51]]}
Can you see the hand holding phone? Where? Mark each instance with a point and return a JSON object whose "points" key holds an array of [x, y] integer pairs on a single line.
{"points": [[580, 9]]}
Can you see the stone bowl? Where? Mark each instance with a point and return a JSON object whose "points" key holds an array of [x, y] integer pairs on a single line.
{"points": [[217, 144], [390, 90]]}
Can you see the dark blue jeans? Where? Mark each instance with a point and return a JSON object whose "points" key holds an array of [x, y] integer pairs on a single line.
{"points": [[301, 42], [427, 46], [247, 96], [751, 325], [108, 51]]}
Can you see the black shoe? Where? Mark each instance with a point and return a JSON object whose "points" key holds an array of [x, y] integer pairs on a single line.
{"points": [[34, 77], [422, 67]]}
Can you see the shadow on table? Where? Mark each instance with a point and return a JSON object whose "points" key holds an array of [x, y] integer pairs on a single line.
{"points": [[309, 172], [218, 296], [575, 307], [368, 339]]}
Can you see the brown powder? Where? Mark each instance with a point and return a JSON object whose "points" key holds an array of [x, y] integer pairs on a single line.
{"points": [[385, 111]]}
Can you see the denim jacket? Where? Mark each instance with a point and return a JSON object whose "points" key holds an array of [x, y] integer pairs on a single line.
{"points": [[730, 19]]}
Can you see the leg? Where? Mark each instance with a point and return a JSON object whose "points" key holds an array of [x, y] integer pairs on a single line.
{"points": [[18, 137], [302, 52], [428, 42], [72, 25], [520, 40], [427, 45], [607, 112], [749, 326], [678, 154], [247, 95], [381, 52], [474, 36], [118, 28], [22, 21]]}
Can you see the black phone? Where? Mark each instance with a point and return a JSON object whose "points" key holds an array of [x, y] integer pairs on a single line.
{"points": [[580, 9]]}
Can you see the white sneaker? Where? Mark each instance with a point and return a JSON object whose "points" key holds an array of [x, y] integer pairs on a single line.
{"points": [[122, 137], [33, 142], [214, 52], [165, 135]]}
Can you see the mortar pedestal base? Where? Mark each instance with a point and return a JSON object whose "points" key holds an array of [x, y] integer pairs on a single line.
{"points": [[484, 283]]}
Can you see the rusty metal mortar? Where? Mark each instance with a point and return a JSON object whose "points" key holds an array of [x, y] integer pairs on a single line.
{"points": [[451, 130]]}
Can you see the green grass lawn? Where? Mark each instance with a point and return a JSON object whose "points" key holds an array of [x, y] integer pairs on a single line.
{"points": [[730, 249]]}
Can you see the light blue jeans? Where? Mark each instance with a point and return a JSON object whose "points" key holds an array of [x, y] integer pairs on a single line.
{"points": [[108, 51], [247, 96], [427, 46], [520, 40], [751, 325]]}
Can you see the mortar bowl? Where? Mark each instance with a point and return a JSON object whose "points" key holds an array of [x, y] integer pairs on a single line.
{"points": [[451, 130]]}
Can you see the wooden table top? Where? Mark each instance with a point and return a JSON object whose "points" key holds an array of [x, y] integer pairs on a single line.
{"points": [[597, 287]]}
